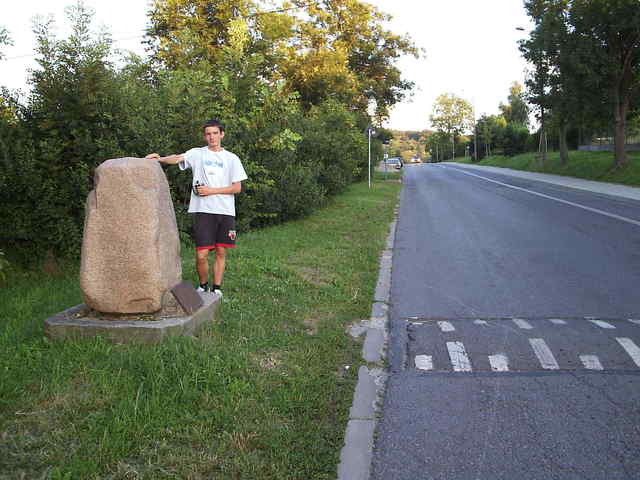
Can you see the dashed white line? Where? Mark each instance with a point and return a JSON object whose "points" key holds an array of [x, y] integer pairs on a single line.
{"points": [[458, 356], [633, 320], [591, 362], [544, 354], [522, 323], [446, 326], [480, 322], [602, 324], [558, 321], [424, 362], [499, 362], [631, 348]]}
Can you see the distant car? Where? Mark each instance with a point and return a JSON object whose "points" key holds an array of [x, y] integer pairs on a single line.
{"points": [[395, 162]]}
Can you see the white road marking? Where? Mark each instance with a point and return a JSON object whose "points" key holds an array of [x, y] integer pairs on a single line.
{"points": [[591, 362], [594, 210], [602, 324], [458, 355], [446, 326], [480, 322], [543, 352], [633, 320], [522, 323], [558, 321], [499, 362], [424, 362], [631, 348]]}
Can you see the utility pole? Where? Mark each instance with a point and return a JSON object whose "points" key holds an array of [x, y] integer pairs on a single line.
{"points": [[475, 134]]}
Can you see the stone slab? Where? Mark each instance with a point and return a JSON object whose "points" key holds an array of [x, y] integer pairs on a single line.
{"points": [[355, 457], [374, 343], [72, 323], [383, 286], [187, 297], [366, 395]]}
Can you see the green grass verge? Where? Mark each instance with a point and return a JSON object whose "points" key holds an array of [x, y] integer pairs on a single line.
{"points": [[264, 393], [582, 164]]}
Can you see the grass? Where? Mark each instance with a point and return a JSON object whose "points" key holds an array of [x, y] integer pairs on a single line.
{"points": [[263, 393], [582, 164]]}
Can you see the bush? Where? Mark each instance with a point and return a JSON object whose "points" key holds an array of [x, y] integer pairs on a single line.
{"points": [[83, 111], [516, 139]]}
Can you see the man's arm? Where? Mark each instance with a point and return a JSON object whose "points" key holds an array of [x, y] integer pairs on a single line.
{"points": [[233, 189], [170, 160]]}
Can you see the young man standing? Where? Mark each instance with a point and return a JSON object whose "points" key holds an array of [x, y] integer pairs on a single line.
{"points": [[217, 177]]}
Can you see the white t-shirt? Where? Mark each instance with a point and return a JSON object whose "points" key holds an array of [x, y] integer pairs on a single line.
{"points": [[213, 169]]}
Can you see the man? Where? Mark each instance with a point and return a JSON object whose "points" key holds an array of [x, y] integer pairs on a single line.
{"points": [[217, 177]]}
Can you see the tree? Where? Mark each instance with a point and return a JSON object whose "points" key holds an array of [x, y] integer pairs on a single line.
{"points": [[611, 29], [452, 115], [517, 110], [352, 32], [73, 114], [490, 130], [5, 39], [585, 54], [328, 49]]}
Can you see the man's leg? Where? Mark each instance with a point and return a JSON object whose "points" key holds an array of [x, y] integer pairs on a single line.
{"points": [[202, 265], [218, 267]]}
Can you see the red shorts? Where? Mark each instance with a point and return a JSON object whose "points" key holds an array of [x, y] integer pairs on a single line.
{"points": [[211, 230]]}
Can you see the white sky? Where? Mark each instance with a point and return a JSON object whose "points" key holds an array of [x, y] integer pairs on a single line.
{"points": [[470, 46]]}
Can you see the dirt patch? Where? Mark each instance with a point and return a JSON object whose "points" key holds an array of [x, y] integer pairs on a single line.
{"points": [[312, 324], [313, 275], [268, 360]]}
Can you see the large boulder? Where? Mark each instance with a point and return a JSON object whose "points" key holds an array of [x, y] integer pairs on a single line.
{"points": [[131, 247]]}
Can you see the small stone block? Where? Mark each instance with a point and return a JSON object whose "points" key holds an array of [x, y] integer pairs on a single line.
{"points": [[365, 396], [187, 297], [373, 345], [355, 457]]}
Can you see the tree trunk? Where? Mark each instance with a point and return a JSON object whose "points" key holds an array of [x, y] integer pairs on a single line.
{"points": [[564, 150], [542, 144], [621, 107]]}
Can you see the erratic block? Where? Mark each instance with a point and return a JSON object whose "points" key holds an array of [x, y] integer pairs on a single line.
{"points": [[131, 247]]}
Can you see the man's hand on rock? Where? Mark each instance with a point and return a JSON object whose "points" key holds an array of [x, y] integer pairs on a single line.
{"points": [[153, 156]]}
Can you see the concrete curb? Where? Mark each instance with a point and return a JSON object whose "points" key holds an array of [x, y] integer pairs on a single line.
{"points": [[357, 453]]}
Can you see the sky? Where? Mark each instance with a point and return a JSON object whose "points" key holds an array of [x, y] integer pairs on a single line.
{"points": [[469, 47]]}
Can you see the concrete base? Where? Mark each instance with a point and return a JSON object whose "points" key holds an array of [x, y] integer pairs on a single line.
{"points": [[76, 323]]}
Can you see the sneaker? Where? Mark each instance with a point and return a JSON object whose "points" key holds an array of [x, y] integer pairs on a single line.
{"points": [[217, 292], [201, 289]]}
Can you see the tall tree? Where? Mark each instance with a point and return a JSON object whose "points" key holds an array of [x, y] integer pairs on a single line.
{"points": [[585, 54], [517, 110], [185, 32], [352, 31], [611, 28], [452, 116], [325, 49]]}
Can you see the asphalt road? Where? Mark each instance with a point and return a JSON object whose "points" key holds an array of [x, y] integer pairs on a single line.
{"points": [[514, 332]]}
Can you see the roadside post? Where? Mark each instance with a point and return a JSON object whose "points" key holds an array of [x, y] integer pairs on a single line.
{"points": [[370, 132]]}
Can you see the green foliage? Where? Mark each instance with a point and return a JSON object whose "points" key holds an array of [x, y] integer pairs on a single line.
{"points": [[586, 59], [84, 110], [516, 111], [4, 266], [515, 139]]}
